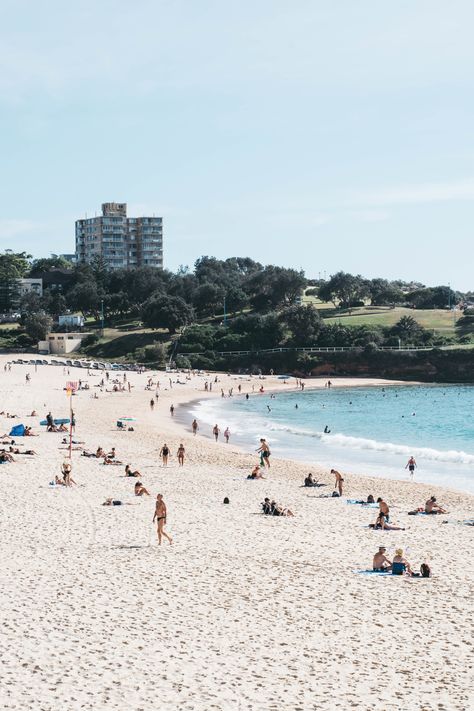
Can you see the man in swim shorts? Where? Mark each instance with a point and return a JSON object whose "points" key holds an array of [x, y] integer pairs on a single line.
{"points": [[380, 562]]}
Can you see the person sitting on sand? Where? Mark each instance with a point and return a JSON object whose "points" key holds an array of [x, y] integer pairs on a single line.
{"points": [[33, 413], [431, 507], [382, 524], [140, 489], [58, 481], [128, 471], [111, 454], [400, 565], [309, 481], [61, 428], [66, 469], [28, 432], [5, 456], [266, 506], [100, 452], [256, 473], [370, 499], [380, 562]]}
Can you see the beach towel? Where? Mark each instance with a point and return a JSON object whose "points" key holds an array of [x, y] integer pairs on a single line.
{"points": [[17, 431], [362, 503]]}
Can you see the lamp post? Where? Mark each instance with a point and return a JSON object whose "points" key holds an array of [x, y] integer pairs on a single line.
{"points": [[102, 318], [225, 313]]}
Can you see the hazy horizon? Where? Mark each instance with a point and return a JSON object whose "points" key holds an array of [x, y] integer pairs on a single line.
{"points": [[301, 134]]}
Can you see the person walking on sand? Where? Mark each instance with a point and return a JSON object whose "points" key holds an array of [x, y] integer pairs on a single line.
{"points": [[194, 427], [172, 410], [164, 454], [152, 404], [339, 481], [180, 454], [227, 435], [411, 466], [160, 516], [215, 432]]}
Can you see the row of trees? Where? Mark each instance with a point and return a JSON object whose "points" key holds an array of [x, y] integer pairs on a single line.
{"points": [[347, 290]]}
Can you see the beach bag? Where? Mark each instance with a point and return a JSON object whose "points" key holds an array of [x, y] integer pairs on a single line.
{"points": [[425, 570]]}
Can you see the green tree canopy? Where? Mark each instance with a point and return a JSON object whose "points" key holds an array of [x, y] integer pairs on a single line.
{"points": [[170, 312]]}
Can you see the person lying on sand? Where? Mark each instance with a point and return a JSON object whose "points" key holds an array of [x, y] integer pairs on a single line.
{"points": [[273, 509], [5, 456], [112, 462], [140, 489], [117, 502], [381, 523], [15, 450], [128, 471], [74, 441], [256, 473], [431, 507], [380, 562]]}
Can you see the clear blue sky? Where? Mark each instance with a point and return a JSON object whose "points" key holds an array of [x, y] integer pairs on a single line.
{"points": [[322, 134]]}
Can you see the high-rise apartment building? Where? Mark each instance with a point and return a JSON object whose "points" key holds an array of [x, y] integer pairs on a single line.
{"points": [[122, 241]]}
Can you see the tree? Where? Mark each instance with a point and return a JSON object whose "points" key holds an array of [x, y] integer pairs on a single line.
{"points": [[436, 297], [344, 289], [54, 303], [84, 297], [13, 266], [274, 287], [304, 323], [407, 330], [208, 298], [170, 312], [384, 293], [45, 264], [38, 325]]}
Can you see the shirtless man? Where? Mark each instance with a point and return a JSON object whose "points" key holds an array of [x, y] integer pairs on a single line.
{"points": [[339, 481], [383, 508], [380, 561], [194, 427], [411, 466], [431, 507], [215, 432], [160, 516]]}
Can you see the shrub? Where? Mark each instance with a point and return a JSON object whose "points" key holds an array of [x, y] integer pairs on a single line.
{"points": [[90, 340]]}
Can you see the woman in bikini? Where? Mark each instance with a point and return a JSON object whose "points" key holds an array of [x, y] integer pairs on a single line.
{"points": [[160, 516], [180, 454], [164, 454]]}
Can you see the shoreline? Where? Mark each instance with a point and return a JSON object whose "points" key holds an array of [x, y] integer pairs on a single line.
{"points": [[242, 607]]}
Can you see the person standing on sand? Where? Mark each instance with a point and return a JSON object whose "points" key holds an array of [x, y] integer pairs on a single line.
{"points": [[339, 481], [160, 516], [264, 451], [180, 454], [411, 466], [172, 410], [227, 435], [194, 427], [215, 432], [164, 454]]}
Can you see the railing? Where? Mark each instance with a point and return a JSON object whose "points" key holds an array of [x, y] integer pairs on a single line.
{"points": [[312, 349]]}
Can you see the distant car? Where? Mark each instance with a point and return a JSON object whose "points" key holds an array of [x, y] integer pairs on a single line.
{"points": [[77, 363], [69, 362]]}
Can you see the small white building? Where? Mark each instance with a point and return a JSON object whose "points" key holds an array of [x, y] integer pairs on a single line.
{"points": [[61, 343], [71, 320], [28, 286]]}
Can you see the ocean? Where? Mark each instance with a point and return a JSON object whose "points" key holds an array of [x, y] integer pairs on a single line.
{"points": [[373, 430]]}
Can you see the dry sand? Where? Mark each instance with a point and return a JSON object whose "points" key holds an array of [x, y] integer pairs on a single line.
{"points": [[243, 611]]}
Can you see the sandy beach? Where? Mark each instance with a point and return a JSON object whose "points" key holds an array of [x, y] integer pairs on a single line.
{"points": [[243, 611]]}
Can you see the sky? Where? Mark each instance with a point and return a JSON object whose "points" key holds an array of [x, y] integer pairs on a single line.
{"points": [[306, 133]]}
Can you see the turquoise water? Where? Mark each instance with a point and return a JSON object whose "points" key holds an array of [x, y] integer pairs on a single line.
{"points": [[373, 429]]}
